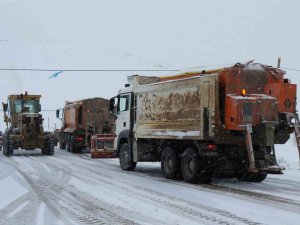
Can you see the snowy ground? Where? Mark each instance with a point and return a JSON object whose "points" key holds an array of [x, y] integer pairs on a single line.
{"points": [[74, 189]]}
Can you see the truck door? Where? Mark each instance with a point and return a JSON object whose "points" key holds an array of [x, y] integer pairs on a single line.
{"points": [[123, 113]]}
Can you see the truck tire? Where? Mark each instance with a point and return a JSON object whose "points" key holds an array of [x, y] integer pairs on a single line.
{"points": [[68, 143], [125, 158], [4, 148], [48, 146], [7, 151], [170, 164], [12, 144], [190, 164], [62, 144], [252, 177]]}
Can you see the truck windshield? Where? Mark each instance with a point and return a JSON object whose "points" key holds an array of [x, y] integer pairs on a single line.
{"points": [[29, 106]]}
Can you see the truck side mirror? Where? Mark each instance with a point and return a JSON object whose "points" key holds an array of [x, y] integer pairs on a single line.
{"points": [[5, 106], [40, 108], [57, 113]]}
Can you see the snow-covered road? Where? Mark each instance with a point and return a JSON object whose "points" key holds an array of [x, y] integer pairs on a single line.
{"points": [[74, 189]]}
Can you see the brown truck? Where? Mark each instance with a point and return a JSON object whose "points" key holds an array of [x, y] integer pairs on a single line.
{"points": [[82, 119]]}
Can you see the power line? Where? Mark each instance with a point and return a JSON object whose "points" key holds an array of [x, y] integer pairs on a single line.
{"points": [[105, 70], [286, 68], [88, 70], [43, 110]]}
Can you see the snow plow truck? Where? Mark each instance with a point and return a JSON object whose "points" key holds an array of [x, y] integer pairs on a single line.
{"points": [[202, 124], [81, 120], [25, 125]]}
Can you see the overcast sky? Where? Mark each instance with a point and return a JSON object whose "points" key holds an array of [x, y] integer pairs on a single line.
{"points": [[136, 34]]}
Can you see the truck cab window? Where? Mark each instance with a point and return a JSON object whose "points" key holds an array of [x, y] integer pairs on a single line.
{"points": [[124, 103], [29, 106]]}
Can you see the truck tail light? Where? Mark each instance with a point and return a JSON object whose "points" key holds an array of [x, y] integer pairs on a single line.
{"points": [[211, 147], [79, 139]]}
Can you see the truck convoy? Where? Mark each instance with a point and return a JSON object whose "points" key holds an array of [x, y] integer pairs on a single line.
{"points": [[82, 119], [210, 123], [25, 125]]}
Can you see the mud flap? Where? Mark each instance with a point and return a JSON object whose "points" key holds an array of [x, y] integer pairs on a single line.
{"points": [[249, 146]]}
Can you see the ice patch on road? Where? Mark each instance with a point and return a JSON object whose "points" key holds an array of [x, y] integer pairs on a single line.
{"points": [[10, 191]]}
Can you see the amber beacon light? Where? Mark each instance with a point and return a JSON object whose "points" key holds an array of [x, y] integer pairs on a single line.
{"points": [[244, 92]]}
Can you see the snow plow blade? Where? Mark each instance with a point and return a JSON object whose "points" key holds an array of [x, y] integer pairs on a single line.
{"points": [[102, 146], [103, 154]]}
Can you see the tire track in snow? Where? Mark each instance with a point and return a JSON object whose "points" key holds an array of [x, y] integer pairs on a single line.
{"points": [[12, 212], [38, 192], [85, 213], [210, 187], [198, 211]]}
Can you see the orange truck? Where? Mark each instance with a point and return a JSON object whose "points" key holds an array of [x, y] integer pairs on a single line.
{"points": [[202, 124], [81, 120]]}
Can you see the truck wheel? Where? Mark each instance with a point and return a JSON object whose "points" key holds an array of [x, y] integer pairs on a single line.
{"points": [[68, 143], [252, 177], [4, 148], [170, 164], [125, 158], [7, 151], [48, 146], [12, 145], [190, 164], [71, 146], [62, 144]]}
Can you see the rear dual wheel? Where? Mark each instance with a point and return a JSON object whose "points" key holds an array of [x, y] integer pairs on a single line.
{"points": [[71, 147], [190, 164], [70, 144], [62, 144], [170, 164], [194, 170], [189, 167]]}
